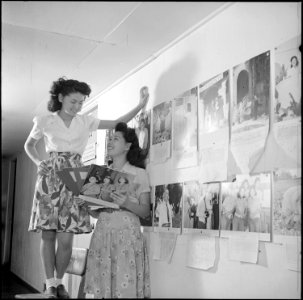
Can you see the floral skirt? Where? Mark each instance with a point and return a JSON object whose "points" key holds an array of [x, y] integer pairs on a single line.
{"points": [[117, 264], [54, 207]]}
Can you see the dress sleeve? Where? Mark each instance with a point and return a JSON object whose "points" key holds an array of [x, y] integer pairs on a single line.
{"points": [[91, 122], [37, 130]]}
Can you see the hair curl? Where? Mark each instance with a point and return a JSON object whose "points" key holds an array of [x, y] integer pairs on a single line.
{"points": [[134, 155], [65, 87]]}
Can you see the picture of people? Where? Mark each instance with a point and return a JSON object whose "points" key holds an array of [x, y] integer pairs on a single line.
{"points": [[251, 101], [208, 206], [101, 181], [168, 209], [245, 204], [201, 205], [185, 129], [190, 203], [287, 204], [162, 123], [288, 80], [92, 188], [215, 98]]}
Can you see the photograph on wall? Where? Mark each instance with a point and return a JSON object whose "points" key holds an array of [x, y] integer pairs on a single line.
{"points": [[185, 129], [286, 205], [89, 154], [245, 206], [142, 122], [108, 136], [201, 207], [168, 207], [287, 104], [213, 107], [161, 132], [250, 110]]}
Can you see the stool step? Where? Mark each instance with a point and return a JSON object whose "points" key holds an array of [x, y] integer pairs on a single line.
{"points": [[31, 296]]}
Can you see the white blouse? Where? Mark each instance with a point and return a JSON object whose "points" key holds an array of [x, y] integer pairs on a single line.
{"points": [[60, 138]]}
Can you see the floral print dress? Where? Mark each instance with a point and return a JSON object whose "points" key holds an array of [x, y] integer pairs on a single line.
{"points": [[54, 207], [118, 263]]}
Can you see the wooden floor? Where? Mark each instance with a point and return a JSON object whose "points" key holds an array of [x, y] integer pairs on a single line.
{"points": [[12, 285]]}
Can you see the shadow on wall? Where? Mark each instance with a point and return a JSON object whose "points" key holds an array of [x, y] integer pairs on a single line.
{"points": [[176, 80]]}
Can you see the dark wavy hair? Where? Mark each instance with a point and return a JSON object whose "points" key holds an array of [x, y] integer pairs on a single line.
{"points": [[65, 87], [134, 156], [297, 61]]}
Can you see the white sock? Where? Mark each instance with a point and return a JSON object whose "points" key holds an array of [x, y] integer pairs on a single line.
{"points": [[50, 282], [58, 281]]}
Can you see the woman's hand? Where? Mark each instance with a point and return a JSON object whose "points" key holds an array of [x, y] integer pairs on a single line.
{"points": [[144, 96], [80, 202], [43, 168], [118, 198]]}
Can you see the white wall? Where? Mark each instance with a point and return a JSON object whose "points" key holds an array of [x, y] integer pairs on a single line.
{"points": [[237, 34]]}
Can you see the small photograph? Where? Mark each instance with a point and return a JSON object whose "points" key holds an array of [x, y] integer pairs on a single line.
{"points": [[108, 136], [201, 205], [190, 204], [162, 123], [142, 127], [287, 204], [246, 204], [251, 100], [168, 210], [288, 80]]}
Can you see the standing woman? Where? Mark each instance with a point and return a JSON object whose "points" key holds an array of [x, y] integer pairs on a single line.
{"points": [[117, 264], [55, 211]]}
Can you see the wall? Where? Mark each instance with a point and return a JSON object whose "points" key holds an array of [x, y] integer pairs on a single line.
{"points": [[237, 34], [25, 252], [240, 32]]}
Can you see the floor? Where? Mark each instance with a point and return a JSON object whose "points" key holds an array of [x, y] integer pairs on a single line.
{"points": [[12, 285]]}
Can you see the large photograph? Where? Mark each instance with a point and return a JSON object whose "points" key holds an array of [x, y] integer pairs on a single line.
{"points": [[215, 98], [246, 205], [185, 129], [287, 124], [250, 110], [287, 214], [201, 206], [161, 132], [214, 103], [168, 207]]}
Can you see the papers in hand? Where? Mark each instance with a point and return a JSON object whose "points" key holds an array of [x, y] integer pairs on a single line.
{"points": [[98, 202]]}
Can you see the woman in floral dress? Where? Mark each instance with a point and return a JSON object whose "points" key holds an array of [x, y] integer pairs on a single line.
{"points": [[118, 265]]}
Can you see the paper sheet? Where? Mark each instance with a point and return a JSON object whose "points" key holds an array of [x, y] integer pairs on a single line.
{"points": [[164, 246], [243, 248], [292, 250], [201, 251]]}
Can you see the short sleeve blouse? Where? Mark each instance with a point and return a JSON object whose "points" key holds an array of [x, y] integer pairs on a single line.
{"points": [[60, 138], [141, 177]]}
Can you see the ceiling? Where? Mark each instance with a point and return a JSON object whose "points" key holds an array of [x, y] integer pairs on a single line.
{"points": [[96, 42]]}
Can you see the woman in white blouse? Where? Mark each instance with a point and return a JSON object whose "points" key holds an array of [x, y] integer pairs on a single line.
{"points": [[65, 134]]}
